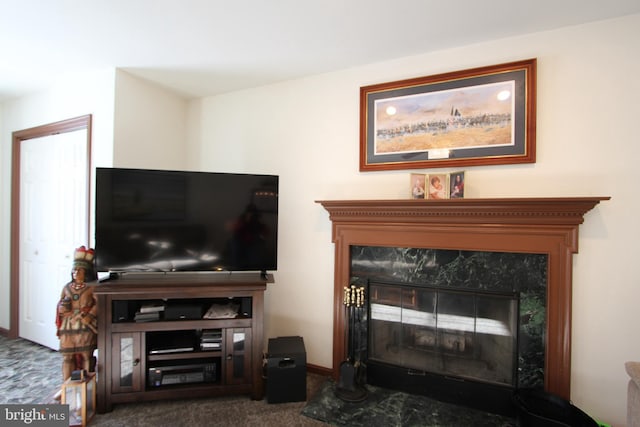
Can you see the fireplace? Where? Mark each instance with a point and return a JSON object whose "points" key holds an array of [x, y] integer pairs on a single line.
{"points": [[462, 334], [452, 324], [544, 230]]}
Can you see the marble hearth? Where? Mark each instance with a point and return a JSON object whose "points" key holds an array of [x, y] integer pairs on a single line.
{"points": [[541, 232]]}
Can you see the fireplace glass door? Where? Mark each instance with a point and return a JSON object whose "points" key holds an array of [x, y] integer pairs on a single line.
{"points": [[457, 333]]}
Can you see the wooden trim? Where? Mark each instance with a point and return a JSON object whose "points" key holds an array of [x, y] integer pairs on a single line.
{"points": [[78, 123], [319, 370], [522, 225]]}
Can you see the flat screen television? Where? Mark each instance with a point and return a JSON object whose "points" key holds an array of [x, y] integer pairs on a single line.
{"points": [[165, 221]]}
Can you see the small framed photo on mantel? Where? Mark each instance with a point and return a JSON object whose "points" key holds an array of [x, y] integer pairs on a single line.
{"points": [[417, 185], [436, 186], [456, 185]]}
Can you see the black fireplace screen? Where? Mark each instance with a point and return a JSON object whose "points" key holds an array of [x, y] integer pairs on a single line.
{"points": [[459, 333], [459, 281]]}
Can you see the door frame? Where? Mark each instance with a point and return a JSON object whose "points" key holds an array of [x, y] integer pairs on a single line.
{"points": [[64, 126]]}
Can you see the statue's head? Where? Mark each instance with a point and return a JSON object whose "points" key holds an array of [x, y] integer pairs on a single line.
{"points": [[83, 265]]}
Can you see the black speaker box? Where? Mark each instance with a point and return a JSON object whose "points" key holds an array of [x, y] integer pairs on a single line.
{"points": [[286, 370], [245, 306], [124, 311]]}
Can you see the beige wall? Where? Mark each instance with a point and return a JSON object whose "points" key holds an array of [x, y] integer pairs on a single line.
{"points": [[307, 132], [149, 125]]}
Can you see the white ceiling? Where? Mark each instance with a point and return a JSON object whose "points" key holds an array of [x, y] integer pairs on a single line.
{"points": [[206, 47]]}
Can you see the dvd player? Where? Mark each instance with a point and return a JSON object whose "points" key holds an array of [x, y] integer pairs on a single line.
{"points": [[182, 374]]}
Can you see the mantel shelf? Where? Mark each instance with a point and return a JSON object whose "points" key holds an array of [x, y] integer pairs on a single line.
{"points": [[559, 210]]}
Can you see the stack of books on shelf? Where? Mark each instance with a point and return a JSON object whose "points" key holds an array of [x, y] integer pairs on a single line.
{"points": [[211, 339], [149, 311]]}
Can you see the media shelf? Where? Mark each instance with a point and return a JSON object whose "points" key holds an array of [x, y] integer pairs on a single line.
{"points": [[184, 356], [179, 352]]}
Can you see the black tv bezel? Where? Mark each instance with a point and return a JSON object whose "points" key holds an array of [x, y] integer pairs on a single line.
{"points": [[263, 268]]}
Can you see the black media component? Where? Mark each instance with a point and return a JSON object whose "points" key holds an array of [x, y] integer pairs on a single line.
{"points": [[184, 311], [286, 370], [182, 374], [123, 311], [166, 221], [166, 342]]}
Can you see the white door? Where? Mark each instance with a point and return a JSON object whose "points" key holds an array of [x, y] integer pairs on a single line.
{"points": [[53, 222]]}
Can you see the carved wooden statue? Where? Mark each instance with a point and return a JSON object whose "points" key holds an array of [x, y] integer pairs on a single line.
{"points": [[76, 315]]}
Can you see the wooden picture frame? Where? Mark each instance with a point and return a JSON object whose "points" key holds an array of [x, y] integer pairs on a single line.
{"points": [[480, 116]]}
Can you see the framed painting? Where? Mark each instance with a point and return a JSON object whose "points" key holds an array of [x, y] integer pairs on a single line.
{"points": [[480, 116]]}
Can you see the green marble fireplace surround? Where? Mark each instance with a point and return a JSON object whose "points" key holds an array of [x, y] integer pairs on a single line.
{"points": [[458, 250]]}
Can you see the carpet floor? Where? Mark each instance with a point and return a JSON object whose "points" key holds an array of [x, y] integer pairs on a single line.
{"points": [[31, 373]]}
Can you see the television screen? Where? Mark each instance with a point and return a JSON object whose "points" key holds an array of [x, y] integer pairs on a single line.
{"points": [[154, 220]]}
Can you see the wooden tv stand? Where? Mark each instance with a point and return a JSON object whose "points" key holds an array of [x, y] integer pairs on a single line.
{"points": [[136, 360]]}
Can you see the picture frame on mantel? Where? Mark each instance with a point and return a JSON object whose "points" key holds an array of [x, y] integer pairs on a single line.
{"points": [[474, 117]]}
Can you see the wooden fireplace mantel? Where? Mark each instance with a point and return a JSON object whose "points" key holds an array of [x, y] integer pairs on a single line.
{"points": [[524, 225]]}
